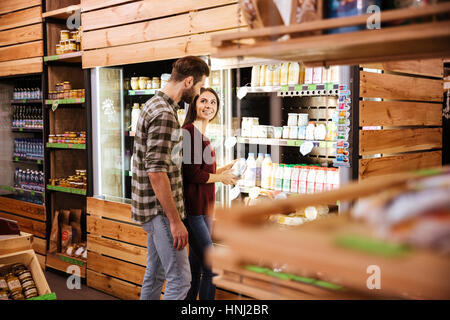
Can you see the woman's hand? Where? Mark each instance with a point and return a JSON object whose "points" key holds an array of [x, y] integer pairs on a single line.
{"points": [[227, 167], [227, 177]]}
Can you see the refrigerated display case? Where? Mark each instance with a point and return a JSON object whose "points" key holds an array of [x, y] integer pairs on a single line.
{"points": [[323, 102], [116, 99]]}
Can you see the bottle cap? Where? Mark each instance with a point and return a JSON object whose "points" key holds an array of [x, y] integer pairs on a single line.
{"points": [[267, 154], [260, 154], [251, 154]]}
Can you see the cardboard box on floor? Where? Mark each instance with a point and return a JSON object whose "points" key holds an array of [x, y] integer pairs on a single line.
{"points": [[29, 259]]}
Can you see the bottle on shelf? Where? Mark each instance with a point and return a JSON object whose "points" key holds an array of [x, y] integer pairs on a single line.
{"points": [[250, 173], [303, 179], [276, 75], [284, 74], [308, 75], [295, 179], [279, 178], [259, 162], [287, 177], [266, 168], [269, 75], [255, 75], [311, 180], [317, 75], [293, 73], [262, 75], [320, 180], [273, 176]]}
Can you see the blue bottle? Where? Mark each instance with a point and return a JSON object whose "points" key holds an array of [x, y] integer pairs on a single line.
{"points": [[346, 8]]}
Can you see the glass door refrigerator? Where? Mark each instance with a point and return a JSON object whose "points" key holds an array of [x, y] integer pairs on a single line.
{"points": [[116, 101], [255, 108]]}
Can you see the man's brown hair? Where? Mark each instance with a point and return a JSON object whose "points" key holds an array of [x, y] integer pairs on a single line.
{"points": [[189, 66]]}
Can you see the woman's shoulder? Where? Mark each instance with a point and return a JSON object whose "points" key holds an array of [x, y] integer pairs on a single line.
{"points": [[189, 127]]}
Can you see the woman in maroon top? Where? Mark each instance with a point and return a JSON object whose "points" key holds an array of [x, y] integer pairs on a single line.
{"points": [[199, 177]]}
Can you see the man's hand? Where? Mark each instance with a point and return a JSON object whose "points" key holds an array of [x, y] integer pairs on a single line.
{"points": [[179, 234]]}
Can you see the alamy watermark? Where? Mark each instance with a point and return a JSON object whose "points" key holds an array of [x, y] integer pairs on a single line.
{"points": [[74, 281], [374, 281]]}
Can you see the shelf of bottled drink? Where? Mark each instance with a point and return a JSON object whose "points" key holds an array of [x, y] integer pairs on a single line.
{"points": [[38, 161], [27, 118], [298, 90], [285, 142]]}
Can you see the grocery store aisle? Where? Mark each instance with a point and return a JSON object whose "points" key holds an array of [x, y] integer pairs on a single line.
{"points": [[57, 283]]}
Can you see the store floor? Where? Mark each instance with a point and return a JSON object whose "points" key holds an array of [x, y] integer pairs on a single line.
{"points": [[57, 283]]}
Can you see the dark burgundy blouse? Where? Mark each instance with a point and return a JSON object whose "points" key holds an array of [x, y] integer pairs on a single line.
{"points": [[198, 164]]}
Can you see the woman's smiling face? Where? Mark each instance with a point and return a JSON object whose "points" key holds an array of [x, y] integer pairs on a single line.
{"points": [[206, 106]]}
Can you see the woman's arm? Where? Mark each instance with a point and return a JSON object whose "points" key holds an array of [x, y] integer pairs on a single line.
{"points": [[227, 178], [226, 167]]}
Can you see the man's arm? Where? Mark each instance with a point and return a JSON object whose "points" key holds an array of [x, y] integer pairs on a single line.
{"points": [[161, 185]]}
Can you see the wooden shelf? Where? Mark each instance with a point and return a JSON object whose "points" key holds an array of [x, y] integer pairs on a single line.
{"points": [[142, 92], [66, 146], [27, 130], [61, 262], [65, 101], [63, 13], [26, 101], [285, 142], [416, 41], [81, 192], [73, 57], [21, 191], [28, 160]]}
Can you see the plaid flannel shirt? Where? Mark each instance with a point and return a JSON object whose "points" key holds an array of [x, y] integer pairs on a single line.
{"points": [[157, 148]]}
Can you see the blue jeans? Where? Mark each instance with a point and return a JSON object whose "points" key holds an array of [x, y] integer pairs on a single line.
{"points": [[199, 230], [164, 262]]}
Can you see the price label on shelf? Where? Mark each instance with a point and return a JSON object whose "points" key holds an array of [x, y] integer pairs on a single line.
{"points": [[55, 104]]}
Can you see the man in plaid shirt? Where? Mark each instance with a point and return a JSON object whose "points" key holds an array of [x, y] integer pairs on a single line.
{"points": [[157, 186]]}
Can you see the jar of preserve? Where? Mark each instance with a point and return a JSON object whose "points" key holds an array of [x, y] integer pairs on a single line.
{"points": [[143, 82], [74, 35], [30, 292], [13, 283], [17, 267], [58, 49], [65, 35], [66, 94], [149, 84], [62, 44], [78, 43], [72, 45], [3, 284], [156, 83], [134, 82], [82, 93], [3, 295], [67, 85], [17, 295]]}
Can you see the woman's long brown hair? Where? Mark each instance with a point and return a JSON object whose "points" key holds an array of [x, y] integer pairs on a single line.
{"points": [[191, 115]]}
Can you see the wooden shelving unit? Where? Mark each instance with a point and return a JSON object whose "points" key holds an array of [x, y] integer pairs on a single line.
{"points": [[415, 41], [336, 250], [65, 115]]}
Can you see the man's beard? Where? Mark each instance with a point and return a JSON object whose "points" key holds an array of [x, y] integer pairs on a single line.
{"points": [[188, 95]]}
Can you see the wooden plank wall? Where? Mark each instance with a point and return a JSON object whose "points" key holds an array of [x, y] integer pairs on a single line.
{"points": [[21, 37], [151, 30], [117, 249], [410, 115], [31, 219]]}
